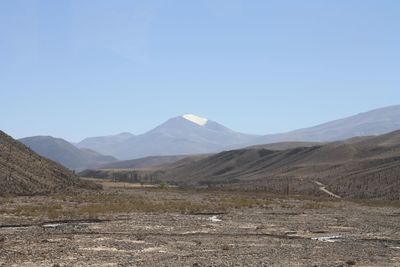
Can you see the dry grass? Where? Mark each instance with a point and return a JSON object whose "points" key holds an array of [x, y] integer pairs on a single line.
{"points": [[378, 203], [6, 200], [107, 183], [318, 205], [113, 201], [153, 200], [27, 210]]}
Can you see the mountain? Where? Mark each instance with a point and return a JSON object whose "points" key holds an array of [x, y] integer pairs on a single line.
{"points": [[105, 144], [191, 134], [23, 172], [65, 153], [363, 167], [187, 134], [375, 122]]}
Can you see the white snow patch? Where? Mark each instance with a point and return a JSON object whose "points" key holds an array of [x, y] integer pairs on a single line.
{"points": [[195, 119]]}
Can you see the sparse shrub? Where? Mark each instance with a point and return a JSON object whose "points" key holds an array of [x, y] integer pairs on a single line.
{"points": [[317, 205], [163, 185], [226, 247], [54, 212], [351, 262]]}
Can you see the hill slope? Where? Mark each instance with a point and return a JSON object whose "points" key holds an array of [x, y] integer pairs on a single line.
{"points": [[375, 122], [143, 163], [359, 167], [105, 144], [65, 153], [23, 172], [160, 161]]}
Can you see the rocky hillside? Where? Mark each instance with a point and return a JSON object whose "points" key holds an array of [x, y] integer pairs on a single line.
{"points": [[23, 172], [367, 167]]}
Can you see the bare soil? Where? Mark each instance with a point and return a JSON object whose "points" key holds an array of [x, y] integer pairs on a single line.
{"points": [[172, 227]]}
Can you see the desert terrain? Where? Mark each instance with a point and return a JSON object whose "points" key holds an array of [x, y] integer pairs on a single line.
{"points": [[211, 133], [131, 225]]}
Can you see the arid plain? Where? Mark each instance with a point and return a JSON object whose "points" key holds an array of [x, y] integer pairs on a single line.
{"points": [[126, 225]]}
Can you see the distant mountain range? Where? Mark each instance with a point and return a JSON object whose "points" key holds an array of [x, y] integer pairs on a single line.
{"points": [[191, 134], [187, 134], [105, 144], [65, 153], [375, 122], [23, 172]]}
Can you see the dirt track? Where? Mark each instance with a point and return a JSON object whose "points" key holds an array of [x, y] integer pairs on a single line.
{"points": [[322, 188]]}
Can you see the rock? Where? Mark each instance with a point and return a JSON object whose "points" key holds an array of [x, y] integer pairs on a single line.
{"points": [[351, 262]]}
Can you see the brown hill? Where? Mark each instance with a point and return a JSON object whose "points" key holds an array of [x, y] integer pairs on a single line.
{"points": [[157, 162], [143, 163], [285, 145], [23, 172], [359, 167], [145, 170]]}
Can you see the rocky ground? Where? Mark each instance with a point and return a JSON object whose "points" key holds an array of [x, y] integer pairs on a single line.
{"points": [[119, 227]]}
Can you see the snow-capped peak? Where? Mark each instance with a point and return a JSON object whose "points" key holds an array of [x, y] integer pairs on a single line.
{"points": [[195, 119]]}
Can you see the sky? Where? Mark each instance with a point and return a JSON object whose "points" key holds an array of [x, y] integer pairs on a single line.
{"points": [[74, 69]]}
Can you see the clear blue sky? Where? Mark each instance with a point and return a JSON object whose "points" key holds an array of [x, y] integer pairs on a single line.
{"points": [[77, 68]]}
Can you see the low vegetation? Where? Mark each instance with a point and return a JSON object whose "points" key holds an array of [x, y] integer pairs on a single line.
{"points": [[119, 201], [122, 198]]}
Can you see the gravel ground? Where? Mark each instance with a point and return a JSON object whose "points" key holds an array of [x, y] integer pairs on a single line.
{"points": [[288, 232]]}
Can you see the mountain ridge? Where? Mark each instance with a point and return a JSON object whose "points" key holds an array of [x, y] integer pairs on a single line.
{"points": [[197, 135], [374, 122], [23, 172], [354, 168], [66, 154], [176, 136], [191, 135]]}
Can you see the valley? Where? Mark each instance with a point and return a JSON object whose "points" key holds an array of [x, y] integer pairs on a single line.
{"points": [[363, 167], [211, 133], [226, 203], [122, 226]]}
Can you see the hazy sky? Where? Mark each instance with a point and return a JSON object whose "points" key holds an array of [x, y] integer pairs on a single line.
{"points": [[77, 68]]}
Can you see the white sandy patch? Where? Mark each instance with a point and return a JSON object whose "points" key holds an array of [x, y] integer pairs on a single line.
{"points": [[154, 249], [104, 249], [197, 232], [121, 240], [51, 225], [215, 219], [329, 239]]}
